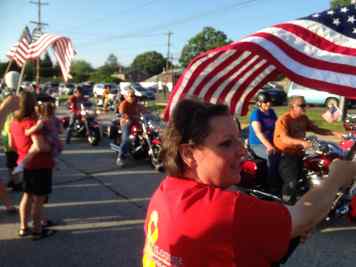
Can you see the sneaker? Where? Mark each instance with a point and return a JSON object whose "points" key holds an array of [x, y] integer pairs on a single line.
{"points": [[120, 162], [18, 169]]}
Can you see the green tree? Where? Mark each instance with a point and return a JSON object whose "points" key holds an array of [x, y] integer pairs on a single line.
{"points": [[46, 67], [104, 73], [81, 70], [112, 61], [207, 39], [146, 65], [339, 3]]}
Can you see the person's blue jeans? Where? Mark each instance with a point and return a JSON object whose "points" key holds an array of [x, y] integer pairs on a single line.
{"points": [[69, 131], [124, 145], [273, 179]]}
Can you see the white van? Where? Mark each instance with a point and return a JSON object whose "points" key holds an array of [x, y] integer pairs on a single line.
{"points": [[313, 96]]}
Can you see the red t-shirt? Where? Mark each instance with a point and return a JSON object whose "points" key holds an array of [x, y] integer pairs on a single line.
{"points": [[22, 144], [74, 103], [192, 224]]}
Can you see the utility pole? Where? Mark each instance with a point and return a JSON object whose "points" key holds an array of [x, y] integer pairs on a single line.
{"points": [[38, 30], [169, 34]]}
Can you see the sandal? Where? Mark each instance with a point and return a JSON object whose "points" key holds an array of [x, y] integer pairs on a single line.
{"points": [[43, 234], [23, 232]]}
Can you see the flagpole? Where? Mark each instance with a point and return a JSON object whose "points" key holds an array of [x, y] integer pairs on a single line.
{"points": [[21, 77], [8, 66]]}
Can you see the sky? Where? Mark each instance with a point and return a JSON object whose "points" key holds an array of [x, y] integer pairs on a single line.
{"points": [[127, 28]]}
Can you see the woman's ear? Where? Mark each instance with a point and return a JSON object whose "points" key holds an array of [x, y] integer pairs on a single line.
{"points": [[186, 153]]}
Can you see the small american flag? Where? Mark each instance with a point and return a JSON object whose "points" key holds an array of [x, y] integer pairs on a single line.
{"points": [[317, 51], [19, 51]]}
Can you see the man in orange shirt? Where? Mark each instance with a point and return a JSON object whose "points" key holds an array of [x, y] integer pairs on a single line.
{"points": [[130, 111], [289, 138]]}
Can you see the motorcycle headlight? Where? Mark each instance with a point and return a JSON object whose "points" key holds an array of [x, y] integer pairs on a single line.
{"points": [[82, 112]]}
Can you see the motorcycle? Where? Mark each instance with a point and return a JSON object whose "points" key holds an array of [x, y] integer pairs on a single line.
{"points": [[144, 138], [86, 125], [316, 164], [316, 169]]}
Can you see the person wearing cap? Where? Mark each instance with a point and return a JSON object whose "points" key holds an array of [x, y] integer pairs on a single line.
{"points": [[74, 107], [289, 139], [260, 139]]}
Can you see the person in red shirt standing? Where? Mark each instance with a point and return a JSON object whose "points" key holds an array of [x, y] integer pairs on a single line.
{"points": [[74, 103], [194, 218], [37, 175]]}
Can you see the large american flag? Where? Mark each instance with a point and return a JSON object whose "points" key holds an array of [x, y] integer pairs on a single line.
{"points": [[317, 51], [19, 51], [25, 50], [63, 50]]}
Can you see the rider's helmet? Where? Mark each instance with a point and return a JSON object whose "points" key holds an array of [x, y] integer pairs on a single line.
{"points": [[263, 97]]}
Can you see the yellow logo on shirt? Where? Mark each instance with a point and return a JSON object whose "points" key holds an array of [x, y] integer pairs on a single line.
{"points": [[151, 239]]}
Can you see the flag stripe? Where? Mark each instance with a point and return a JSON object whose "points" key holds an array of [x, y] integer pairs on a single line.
{"points": [[184, 79], [334, 37], [314, 61], [318, 51], [298, 67], [297, 74], [235, 78], [224, 75], [205, 68], [220, 64], [314, 39], [242, 84], [243, 96], [18, 52], [315, 50]]}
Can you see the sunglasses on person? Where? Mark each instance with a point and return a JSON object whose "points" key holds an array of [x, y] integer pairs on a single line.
{"points": [[303, 106]]}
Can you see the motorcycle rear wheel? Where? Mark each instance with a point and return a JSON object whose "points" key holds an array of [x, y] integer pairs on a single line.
{"points": [[94, 137], [155, 158]]}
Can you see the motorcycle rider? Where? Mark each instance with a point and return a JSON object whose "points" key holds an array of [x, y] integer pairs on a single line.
{"points": [[130, 111], [74, 103], [260, 139], [290, 131]]}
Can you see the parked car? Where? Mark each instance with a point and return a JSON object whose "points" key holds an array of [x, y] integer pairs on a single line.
{"points": [[140, 92], [278, 96], [98, 89], [87, 90], [313, 96]]}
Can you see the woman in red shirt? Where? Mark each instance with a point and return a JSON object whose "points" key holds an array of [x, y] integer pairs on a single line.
{"points": [[37, 175], [195, 219]]}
